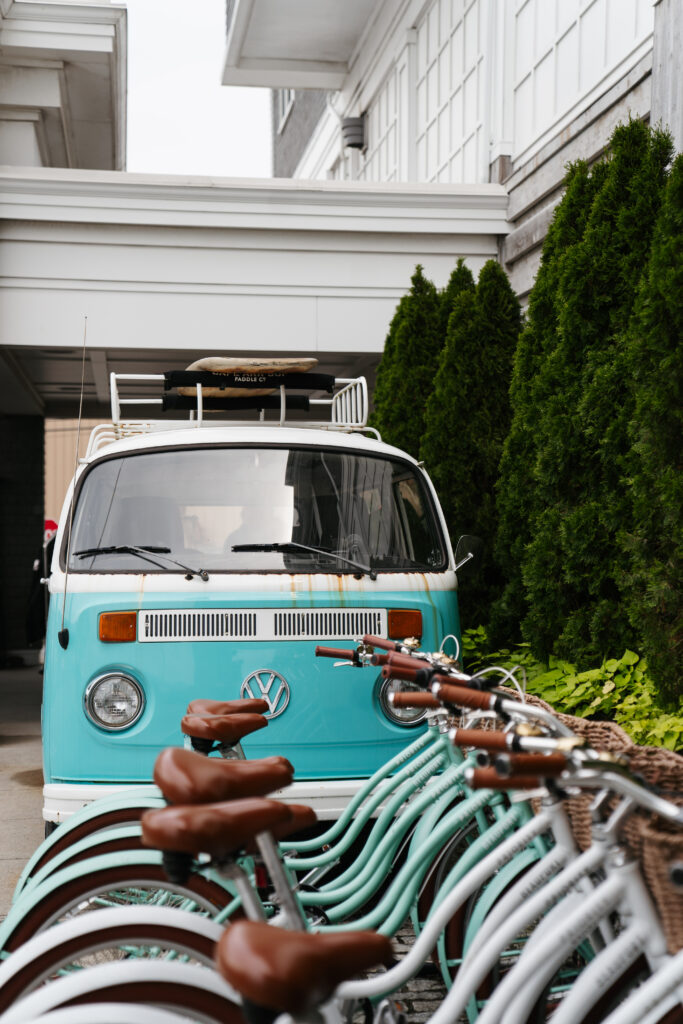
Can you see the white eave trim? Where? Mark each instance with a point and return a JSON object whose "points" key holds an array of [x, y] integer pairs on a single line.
{"points": [[275, 73], [285, 74], [101, 197]]}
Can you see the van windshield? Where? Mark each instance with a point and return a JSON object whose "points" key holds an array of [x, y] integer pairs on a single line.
{"points": [[197, 505]]}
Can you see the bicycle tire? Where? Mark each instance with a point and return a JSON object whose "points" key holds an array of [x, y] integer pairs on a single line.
{"points": [[109, 1013], [438, 870], [61, 893], [130, 932], [123, 840], [67, 833], [638, 972], [198, 992]]}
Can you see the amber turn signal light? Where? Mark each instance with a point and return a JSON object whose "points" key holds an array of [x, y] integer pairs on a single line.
{"points": [[404, 622], [118, 627]]}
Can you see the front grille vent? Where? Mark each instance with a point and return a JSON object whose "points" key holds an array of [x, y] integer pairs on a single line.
{"points": [[331, 623], [260, 624]]}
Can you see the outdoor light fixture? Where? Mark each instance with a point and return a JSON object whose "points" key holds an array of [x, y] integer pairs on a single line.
{"points": [[353, 132]]}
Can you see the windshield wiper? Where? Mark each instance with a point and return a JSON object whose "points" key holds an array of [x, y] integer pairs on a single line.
{"points": [[132, 549], [291, 546]]}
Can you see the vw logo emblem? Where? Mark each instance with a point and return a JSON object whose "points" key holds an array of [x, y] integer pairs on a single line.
{"points": [[269, 686]]}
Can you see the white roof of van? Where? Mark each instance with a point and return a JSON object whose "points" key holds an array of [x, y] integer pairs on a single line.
{"points": [[260, 434]]}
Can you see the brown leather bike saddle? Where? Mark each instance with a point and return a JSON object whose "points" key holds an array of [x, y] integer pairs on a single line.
{"points": [[188, 778], [242, 706], [301, 816], [291, 972], [222, 728], [219, 829]]}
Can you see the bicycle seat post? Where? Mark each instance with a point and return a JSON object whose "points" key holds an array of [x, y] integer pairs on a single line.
{"points": [[289, 905]]}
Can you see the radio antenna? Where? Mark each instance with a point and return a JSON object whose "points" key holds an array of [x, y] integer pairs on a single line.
{"points": [[63, 635]]}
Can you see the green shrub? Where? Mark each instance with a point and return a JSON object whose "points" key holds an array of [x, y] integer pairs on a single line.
{"points": [[651, 541], [406, 372], [518, 502], [619, 690], [382, 396], [461, 280], [612, 255], [467, 417], [579, 408]]}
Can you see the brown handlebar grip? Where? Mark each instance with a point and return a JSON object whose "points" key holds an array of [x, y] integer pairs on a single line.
{"points": [[488, 778], [399, 660], [414, 700], [546, 766], [379, 641], [335, 652], [477, 700], [480, 738], [379, 659], [399, 672]]}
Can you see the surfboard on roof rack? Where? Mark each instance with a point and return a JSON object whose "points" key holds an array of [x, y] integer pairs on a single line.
{"points": [[235, 377], [236, 385]]}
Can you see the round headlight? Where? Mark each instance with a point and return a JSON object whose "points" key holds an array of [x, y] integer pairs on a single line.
{"points": [[400, 716], [114, 701]]}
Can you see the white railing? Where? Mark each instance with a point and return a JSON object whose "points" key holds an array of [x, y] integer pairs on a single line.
{"points": [[348, 410]]}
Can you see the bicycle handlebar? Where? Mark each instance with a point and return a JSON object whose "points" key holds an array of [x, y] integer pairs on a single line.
{"points": [[488, 778], [337, 652], [482, 739], [476, 700], [546, 766], [381, 642], [414, 700]]}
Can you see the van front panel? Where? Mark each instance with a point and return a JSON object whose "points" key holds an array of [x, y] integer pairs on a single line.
{"points": [[327, 720]]}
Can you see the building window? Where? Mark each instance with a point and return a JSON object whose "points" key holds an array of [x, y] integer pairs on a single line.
{"points": [[284, 101]]}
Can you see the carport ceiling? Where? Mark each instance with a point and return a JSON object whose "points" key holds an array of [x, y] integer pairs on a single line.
{"points": [[47, 382]]}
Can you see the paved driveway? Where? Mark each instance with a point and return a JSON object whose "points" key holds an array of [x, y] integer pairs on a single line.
{"points": [[21, 775]]}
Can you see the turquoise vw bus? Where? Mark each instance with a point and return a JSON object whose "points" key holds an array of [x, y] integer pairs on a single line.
{"points": [[208, 557]]}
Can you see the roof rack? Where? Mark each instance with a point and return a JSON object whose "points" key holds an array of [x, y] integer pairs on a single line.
{"points": [[347, 401]]}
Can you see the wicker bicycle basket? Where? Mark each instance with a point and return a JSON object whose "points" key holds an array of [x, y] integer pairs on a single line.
{"points": [[657, 844]]}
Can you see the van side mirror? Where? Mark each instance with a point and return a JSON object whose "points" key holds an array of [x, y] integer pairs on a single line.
{"points": [[467, 550]]}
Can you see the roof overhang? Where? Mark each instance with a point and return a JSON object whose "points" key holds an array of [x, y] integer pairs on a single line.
{"points": [[169, 268], [63, 84], [303, 44]]}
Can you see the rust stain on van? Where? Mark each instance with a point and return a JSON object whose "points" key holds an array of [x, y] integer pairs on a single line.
{"points": [[435, 614]]}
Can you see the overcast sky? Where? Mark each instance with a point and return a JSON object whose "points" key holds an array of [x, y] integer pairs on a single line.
{"points": [[181, 120]]}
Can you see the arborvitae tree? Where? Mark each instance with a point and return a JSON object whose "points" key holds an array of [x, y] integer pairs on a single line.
{"points": [[461, 280], [517, 501], [408, 373], [382, 394], [570, 565], [467, 418], [652, 543]]}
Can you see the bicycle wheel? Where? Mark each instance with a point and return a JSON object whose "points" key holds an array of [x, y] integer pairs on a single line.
{"points": [[197, 993], [137, 878], [103, 936], [120, 840], [109, 1013], [100, 816]]}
